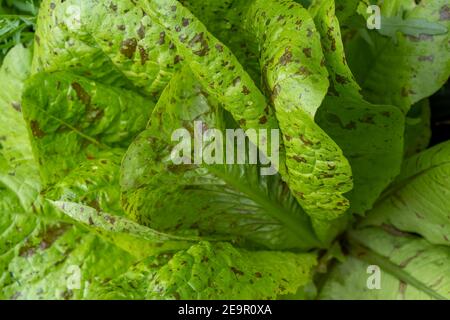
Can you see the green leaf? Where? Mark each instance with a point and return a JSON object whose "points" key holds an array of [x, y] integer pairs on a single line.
{"points": [[50, 259], [214, 271], [371, 137], [410, 70], [293, 74], [138, 240], [390, 26], [405, 235], [411, 268], [292, 64], [419, 200], [72, 119], [342, 80], [232, 201], [18, 171]]}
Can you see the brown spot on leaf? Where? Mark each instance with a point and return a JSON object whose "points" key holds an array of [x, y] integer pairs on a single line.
{"points": [[121, 27], [236, 271], [36, 130], [219, 47], [185, 22], [17, 106], [421, 37], [204, 47], [263, 120], [304, 71], [307, 52], [245, 90], [405, 262], [141, 32], [82, 94], [128, 47], [177, 59], [351, 125], [143, 54], [286, 57], [162, 38], [305, 140], [300, 159], [341, 79], [426, 58], [444, 13]]}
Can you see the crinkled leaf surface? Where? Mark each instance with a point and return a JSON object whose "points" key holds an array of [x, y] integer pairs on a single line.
{"points": [[404, 72], [214, 271], [406, 235], [230, 200]]}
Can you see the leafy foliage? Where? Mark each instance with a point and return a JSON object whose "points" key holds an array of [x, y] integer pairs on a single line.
{"points": [[89, 104]]}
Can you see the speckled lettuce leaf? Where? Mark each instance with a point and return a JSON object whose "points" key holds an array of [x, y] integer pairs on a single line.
{"points": [[43, 258], [94, 182], [406, 235], [72, 119], [410, 268], [231, 201], [287, 53], [410, 69], [112, 42], [342, 80], [419, 200], [18, 171], [293, 68], [299, 68], [140, 241], [371, 136], [214, 271], [216, 67]]}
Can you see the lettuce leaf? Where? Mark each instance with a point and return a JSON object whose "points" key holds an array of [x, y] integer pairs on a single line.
{"points": [[213, 271], [404, 72], [406, 236], [233, 201]]}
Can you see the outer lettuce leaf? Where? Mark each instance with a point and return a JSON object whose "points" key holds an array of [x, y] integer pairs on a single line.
{"points": [[371, 136], [214, 271], [384, 70], [412, 267], [319, 196], [232, 201], [63, 44], [138, 240], [419, 200], [41, 259], [72, 119], [291, 60], [341, 77], [113, 43], [18, 172], [38, 249]]}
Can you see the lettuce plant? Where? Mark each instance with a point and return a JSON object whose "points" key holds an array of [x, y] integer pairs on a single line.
{"points": [[93, 207]]}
